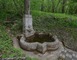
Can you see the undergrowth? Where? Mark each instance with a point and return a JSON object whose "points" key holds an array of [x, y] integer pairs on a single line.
{"points": [[6, 45]]}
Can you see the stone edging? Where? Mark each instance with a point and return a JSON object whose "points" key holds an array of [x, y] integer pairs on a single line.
{"points": [[38, 46]]}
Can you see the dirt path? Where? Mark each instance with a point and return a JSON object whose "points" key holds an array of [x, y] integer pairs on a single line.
{"points": [[15, 42]]}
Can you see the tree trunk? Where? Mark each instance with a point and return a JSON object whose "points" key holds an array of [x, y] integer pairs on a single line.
{"points": [[27, 20], [63, 7], [53, 6], [27, 7], [42, 5]]}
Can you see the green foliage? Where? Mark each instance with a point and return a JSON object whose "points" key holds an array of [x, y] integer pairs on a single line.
{"points": [[17, 26], [35, 5], [73, 9], [6, 47], [17, 6]]}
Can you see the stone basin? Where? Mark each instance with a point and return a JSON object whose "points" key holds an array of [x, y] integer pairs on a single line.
{"points": [[40, 42]]}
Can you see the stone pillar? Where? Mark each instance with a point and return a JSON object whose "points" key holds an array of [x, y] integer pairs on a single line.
{"points": [[28, 27], [27, 20]]}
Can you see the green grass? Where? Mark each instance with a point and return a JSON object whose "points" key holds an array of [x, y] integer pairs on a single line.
{"points": [[51, 20], [6, 47], [56, 15]]}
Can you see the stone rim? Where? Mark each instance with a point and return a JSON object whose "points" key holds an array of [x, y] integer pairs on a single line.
{"points": [[36, 45]]}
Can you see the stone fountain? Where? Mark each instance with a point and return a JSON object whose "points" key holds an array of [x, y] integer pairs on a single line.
{"points": [[43, 46]]}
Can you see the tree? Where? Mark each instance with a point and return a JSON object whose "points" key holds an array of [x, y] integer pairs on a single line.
{"points": [[27, 6], [42, 5], [27, 21], [53, 6], [63, 6]]}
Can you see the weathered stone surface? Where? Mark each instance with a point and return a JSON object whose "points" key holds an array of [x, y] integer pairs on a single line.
{"points": [[31, 46], [53, 46], [49, 55], [41, 47], [28, 27], [27, 46]]}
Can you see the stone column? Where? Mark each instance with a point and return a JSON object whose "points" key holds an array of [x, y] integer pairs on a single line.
{"points": [[27, 20]]}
